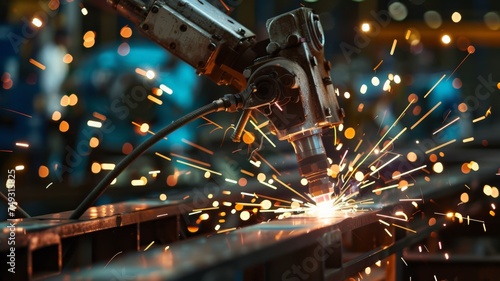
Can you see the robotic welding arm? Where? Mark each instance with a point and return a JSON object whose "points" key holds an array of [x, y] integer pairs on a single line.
{"points": [[286, 76]]}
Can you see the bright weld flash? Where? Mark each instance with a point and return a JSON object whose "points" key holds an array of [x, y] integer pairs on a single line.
{"points": [[324, 206], [324, 209]]}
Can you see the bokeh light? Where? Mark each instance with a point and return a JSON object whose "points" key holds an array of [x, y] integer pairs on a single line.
{"points": [[464, 197], [456, 17], [492, 20], [63, 126], [43, 171], [56, 116], [123, 49], [89, 39], [68, 58], [398, 11], [433, 19], [363, 89], [127, 148], [349, 133], [37, 22], [245, 215], [144, 128], [446, 39], [411, 156], [365, 27], [95, 168], [126, 32], [94, 142]]}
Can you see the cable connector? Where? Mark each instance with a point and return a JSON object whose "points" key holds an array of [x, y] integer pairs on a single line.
{"points": [[230, 102]]}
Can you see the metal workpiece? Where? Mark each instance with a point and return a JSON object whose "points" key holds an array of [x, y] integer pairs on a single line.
{"points": [[44, 245], [300, 247], [266, 251], [103, 217], [112, 241]]}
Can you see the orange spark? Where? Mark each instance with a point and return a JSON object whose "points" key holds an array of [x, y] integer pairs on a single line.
{"points": [[37, 64]]}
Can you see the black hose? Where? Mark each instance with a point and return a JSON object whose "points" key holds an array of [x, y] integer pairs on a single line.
{"points": [[228, 103], [18, 208]]}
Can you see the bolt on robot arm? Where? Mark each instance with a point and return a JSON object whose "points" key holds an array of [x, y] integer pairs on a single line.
{"points": [[286, 77]]}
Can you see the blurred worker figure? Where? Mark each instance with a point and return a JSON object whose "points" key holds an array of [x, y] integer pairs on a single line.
{"points": [[52, 78], [51, 53]]}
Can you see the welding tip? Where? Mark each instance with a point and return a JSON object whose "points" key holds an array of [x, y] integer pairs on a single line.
{"points": [[313, 165]]}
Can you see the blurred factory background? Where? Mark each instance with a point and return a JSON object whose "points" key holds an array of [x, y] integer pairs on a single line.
{"points": [[80, 88]]}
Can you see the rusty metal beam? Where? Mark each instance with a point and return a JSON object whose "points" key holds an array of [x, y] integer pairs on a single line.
{"points": [[298, 248], [46, 244]]}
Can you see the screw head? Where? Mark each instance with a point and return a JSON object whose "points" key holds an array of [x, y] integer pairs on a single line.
{"points": [[292, 40], [272, 48], [246, 73], [327, 81]]}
